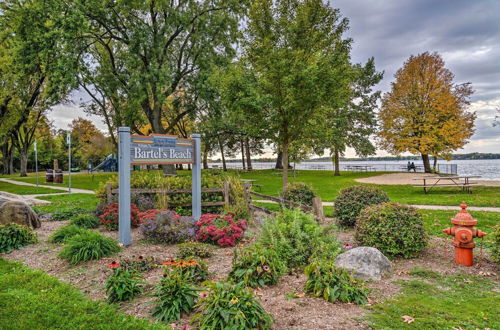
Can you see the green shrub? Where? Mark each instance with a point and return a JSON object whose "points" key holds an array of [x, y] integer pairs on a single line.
{"points": [[229, 306], [196, 270], [296, 237], [123, 284], [88, 246], [299, 192], [495, 240], [86, 221], [256, 266], [64, 233], [333, 283], [175, 295], [397, 230], [67, 214], [237, 203], [14, 236], [195, 249], [352, 200]]}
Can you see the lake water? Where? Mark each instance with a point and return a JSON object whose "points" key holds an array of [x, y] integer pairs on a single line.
{"points": [[488, 169]]}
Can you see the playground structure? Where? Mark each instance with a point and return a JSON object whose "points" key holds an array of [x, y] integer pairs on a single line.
{"points": [[109, 164]]}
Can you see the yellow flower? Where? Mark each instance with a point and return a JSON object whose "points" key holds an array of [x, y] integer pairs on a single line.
{"points": [[234, 300]]}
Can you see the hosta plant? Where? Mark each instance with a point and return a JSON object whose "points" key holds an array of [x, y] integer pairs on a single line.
{"points": [[14, 236], [88, 246], [222, 230], [332, 283], [196, 270], [109, 217], [123, 284], [230, 306], [167, 227], [64, 233], [195, 249]]}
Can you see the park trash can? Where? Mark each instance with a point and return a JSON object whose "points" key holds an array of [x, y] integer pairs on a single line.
{"points": [[49, 176], [58, 176]]}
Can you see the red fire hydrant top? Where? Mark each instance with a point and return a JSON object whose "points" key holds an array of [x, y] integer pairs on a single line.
{"points": [[463, 218]]}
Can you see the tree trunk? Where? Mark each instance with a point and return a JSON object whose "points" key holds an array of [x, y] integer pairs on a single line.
{"points": [[279, 161], [435, 163], [6, 158], [336, 161], [247, 149], [243, 155], [205, 160], [285, 166], [221, 147], [24, 162], [427, 164]]}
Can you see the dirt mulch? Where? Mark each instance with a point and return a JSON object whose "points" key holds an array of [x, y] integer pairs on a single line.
{"points": [[289, 313]]}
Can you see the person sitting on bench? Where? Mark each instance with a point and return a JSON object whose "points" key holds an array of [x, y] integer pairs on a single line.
{"points": [[412, 167]]}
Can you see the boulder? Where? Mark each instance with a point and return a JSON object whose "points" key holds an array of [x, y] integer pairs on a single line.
{"points": [[368, 263], [18, 212]]}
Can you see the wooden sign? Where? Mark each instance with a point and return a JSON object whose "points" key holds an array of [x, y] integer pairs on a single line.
{"points": [[161, 149]]}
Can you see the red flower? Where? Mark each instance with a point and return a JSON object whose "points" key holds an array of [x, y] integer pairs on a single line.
{"points": [[114, 264]]}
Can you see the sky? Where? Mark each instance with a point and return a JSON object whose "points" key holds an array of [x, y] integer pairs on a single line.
{"points": [[465, 32]]}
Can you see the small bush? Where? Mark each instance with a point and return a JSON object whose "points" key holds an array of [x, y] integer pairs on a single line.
{"points": [[167, 227], [299, 192], [64, 233], [196, 270], [14, 236], [224, 231], [110, 219], [175, 295], [228, 306], [86, 221], [495, 240], [123, 284], [138, 264], [352, 200], [397, 230], [256, 266], [88, 246], [333, 283], [195, 249], [237, 202]]}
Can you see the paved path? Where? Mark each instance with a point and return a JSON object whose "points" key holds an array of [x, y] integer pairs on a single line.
{"points": [[73, 190], [425, 207]]}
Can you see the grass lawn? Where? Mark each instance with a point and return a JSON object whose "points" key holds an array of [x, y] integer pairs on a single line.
{"points": [[328, 186], [25, 190], [80, 181], [30, 299], [437, 301], [68, 202]]}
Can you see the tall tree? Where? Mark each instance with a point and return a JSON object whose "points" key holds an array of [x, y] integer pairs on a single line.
{"points": [[426, 112]]}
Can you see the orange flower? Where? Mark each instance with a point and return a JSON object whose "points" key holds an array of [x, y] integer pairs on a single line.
{"points": [[114, 264], [168, 262], [192, 263]]}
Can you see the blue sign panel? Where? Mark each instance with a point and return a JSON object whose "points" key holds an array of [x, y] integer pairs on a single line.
{"points": [[161, 149]]}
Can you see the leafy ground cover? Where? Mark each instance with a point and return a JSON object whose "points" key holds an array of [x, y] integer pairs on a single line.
{"points": [[30, 299], [25, 190]]}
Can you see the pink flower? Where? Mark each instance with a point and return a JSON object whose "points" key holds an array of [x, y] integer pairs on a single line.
{"points": [[347, 246], [266, 268]]}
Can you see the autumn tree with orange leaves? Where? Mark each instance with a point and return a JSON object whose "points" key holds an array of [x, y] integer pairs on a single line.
{"points": [[426, 112]]}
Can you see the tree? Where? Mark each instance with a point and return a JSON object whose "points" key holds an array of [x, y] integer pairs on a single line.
{"points": [[288, 44], [426, 112]]}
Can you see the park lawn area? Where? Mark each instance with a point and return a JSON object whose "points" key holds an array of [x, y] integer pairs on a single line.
{"points": [[437, 220], [437, 301], [328, 186], [80, 180], [25, 190], [30, 299], [68, 202]]}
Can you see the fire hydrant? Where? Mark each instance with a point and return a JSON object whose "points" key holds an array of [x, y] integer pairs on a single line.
{"points": [[463, 236]]}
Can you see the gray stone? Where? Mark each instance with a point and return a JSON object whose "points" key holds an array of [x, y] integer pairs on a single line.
{"points": [[368, 263], [18, 212]]}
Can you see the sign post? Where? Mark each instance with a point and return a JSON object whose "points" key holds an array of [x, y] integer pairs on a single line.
{"points": [[68, 141], [154, 149], [36, 163]]}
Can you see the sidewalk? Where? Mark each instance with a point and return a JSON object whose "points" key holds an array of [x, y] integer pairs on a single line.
{"points": [[73, 190]]}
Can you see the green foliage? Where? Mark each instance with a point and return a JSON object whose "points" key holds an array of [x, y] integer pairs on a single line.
{"points": [[333, 283], [397, 230], [256, 265], [86, 221], [238, 204], [67, 214], [30, 299], [88, 246], [175, 294], [123, 284], [352, 200], [138, 264], [195, 270], [299, 192], [14, 236], [62, 234], [229, 306], [296, 237], [195, 249], [495, 241]]}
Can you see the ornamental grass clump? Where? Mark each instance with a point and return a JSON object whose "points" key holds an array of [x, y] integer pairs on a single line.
{"points": [[299, 192], [167, 227], [397, 230], [352, 200], [332, 283], [222, 230], [89, 221], [123, 284], [195, 249], [88, 246], [64, 233], [196, 270], [230, 306], [14, 236]]}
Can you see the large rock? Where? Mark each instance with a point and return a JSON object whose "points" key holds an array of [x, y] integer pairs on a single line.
{"points": [[368, 263], [18, 212]]}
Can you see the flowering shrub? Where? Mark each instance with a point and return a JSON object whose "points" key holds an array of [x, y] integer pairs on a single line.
{"points": [[109, 217], [221, 230], [195, 270], [123, 284], [167, 227]]}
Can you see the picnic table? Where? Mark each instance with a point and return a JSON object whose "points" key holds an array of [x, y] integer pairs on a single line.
{"points": [[448, 181]]}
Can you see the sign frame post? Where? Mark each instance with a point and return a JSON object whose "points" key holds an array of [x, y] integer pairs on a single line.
{"points": [[196, 178], [124, 185]]}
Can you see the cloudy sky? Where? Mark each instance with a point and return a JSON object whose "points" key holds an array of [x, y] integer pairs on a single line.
{"points": [[465, 32]]}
